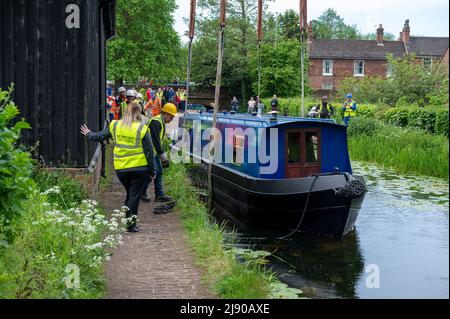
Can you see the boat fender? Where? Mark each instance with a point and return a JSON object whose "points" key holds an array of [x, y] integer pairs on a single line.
{"points": [[354, 188]]}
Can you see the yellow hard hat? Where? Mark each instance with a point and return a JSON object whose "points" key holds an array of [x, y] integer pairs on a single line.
{"points": [[170, 108]]}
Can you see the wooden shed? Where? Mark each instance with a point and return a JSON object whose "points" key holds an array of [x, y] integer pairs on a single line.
{"points": [[59, 72]]}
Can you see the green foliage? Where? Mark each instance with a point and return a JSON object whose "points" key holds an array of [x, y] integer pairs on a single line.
{"points": [[72, 191], [53, 238], [397, 116], [15, 166], [146, 43], [280, 72], [422, 119], [442, 122], [362, 126], [411, 83], [405, 150], [331, 26]]}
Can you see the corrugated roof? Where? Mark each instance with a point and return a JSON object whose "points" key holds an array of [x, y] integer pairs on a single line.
{"points": [[355, 49], [428, 46]]}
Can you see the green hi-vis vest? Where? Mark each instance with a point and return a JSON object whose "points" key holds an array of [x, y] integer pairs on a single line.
{"points": [[123, 106], [128, 149], [349, 112], [161, 133]]}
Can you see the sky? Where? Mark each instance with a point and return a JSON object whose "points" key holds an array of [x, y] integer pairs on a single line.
{"points": [[427, 17]]}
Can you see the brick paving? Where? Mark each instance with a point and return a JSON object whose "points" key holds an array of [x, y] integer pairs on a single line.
{"points": [[155, 263]]}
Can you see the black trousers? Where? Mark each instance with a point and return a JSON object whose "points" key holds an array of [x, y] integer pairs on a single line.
{"points": [[133, 182]]}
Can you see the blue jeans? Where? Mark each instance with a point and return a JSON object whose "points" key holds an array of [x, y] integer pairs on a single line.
{"points": [[159, 192], [346, 120]]}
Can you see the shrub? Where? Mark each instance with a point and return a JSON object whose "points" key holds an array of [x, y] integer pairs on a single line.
{"points": [[362, 126], [422, 119], [397, 116], [15, 166], [442, 122]]}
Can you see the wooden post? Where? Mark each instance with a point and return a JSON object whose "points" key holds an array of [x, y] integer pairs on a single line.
{"points": [[223, 4], [260, 38], [191, 39], [303, 26]]}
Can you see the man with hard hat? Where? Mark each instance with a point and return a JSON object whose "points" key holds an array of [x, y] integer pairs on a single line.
{"points": [[121, 97], [349, 109], [130, 97], [157, 128]]}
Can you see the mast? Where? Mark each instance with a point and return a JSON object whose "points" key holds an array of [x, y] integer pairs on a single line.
{"points": [[223, 5], [260, 38], [191, 39], [303, 26]]}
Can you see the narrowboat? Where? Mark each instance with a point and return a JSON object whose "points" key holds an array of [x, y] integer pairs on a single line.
{"points": [[290, 172]]}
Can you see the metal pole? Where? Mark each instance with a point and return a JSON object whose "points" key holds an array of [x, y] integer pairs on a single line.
{"points": [[303, 26], [223, 4], [303, 74]]}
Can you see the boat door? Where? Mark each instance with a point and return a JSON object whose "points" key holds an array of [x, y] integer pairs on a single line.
{"points": [[303, 156]]}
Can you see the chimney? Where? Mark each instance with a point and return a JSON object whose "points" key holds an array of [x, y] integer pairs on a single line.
{"points": [[406, 32], [380, 35], [310, 32]]}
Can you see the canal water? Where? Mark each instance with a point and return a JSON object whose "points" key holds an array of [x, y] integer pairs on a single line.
{"points": [[400, 248]]}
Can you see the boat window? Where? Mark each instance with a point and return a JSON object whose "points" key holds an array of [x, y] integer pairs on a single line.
{"points": [[238, 149], [312, 147], [294, 147]]}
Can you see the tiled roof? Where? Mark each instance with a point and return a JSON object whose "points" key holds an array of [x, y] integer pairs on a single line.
{"points": [[428, 46], [355, 49]]}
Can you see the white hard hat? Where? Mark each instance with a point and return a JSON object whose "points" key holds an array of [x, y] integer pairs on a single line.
{"points": [[140, 96], [131, 93], [122, 89]]}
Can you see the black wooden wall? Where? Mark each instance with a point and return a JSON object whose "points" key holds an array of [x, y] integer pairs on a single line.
{"points": [[58, 73]]}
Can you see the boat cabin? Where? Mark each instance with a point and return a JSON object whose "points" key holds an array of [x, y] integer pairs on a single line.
{"points": [[294, 147]]}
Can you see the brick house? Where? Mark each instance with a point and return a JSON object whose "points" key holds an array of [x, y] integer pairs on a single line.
{"points": [[331, 61]]}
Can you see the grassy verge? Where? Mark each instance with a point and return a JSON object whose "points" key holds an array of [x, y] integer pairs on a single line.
{"points": [[228, 278], [405, 150], [60, 244]]}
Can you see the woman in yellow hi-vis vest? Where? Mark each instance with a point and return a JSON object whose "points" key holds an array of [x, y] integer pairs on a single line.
{"points": [[133, 156]]}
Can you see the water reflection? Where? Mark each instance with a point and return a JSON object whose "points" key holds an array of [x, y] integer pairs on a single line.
{"points": [[402, 228]]}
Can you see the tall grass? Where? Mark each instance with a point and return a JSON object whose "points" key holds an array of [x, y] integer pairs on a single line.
{"points": [[405, 150]]}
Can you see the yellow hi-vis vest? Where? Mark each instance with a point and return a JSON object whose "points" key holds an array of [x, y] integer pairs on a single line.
{"points": [[349, 112], [328, 108], [128, 149], [161, 133], [123, 107]]}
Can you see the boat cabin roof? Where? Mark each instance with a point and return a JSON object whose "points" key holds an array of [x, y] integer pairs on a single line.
{"points": [[266, 121]]}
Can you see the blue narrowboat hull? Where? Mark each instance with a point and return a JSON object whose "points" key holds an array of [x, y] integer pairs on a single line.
{"points": [[280, 204]]}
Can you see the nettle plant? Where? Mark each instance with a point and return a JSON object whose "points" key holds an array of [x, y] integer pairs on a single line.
{"points": [[15, 166]]}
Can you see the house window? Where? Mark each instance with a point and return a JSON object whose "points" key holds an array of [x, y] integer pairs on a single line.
{"points": [[327, 86], [327, 67], [359, 68], [427, 63]]}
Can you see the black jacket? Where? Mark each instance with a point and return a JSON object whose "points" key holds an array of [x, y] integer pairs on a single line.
{"points": [[146, 144]]}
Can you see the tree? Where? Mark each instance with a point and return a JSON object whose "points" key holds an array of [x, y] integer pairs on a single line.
{"points": [[289, 24], [331, 26], [373, 36], [240, 40], [146, 43]]}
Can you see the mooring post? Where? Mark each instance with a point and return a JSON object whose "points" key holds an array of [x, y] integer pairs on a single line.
{"points": [[223, 5]]}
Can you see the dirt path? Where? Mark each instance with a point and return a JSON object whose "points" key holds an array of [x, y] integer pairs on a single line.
{"points": [[155, 263]]}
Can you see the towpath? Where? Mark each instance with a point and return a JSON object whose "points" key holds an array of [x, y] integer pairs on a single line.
{"points": [[155, 263]]}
